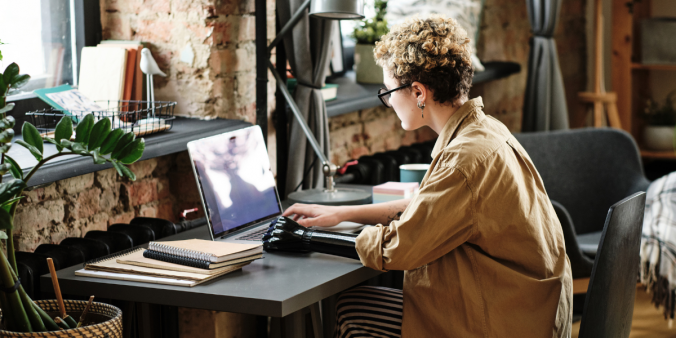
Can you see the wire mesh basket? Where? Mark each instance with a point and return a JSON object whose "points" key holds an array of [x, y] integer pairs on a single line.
{"points": [[140, 117]]}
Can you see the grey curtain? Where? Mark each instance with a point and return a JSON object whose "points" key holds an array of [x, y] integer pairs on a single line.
{"points": [[307, 48], [545, 101]]}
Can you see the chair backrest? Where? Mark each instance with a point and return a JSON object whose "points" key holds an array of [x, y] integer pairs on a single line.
{"points": [[586, 170], [609, 305]]}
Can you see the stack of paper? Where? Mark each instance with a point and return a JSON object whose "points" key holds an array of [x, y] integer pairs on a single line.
{"points": [[391, 191], [131, 265]]}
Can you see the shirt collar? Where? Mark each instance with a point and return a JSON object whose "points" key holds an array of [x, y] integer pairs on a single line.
{"points": [[454, 122]]}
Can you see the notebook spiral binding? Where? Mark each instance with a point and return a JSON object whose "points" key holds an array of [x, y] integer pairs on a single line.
{"points": [[169, 258], [155, 246], [111, 256]]}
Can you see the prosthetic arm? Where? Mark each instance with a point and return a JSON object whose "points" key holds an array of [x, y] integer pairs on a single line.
{"points": [[285, 234]]}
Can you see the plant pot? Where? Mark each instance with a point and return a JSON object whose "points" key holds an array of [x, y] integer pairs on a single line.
{"points": [[367, 69], [659, 138], [103, 320]]}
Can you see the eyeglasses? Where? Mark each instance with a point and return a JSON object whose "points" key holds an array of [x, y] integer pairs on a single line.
{"points": [[384, 95]]}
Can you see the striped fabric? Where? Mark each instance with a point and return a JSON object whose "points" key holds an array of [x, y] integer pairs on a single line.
{"points": [[369, 311]]}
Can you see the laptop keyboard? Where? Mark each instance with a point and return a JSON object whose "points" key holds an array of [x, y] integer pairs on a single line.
{"points": [[254, 236]]}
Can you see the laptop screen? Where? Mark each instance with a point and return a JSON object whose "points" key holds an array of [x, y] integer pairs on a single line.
{"points": [[234, 178]]}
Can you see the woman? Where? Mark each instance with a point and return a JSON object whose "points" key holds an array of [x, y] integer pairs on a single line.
{"points": [[480, 242]]}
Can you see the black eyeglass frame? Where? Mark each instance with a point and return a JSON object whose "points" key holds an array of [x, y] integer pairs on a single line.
{"points": [[387, 92]]}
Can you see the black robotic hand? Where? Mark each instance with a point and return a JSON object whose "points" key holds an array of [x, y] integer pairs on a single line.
{"points": [[285, 234]]}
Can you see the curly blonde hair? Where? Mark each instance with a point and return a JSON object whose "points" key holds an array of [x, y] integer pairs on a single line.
{"points": [[433, 51]]}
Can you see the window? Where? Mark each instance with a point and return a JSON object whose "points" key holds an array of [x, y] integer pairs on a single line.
{"points": [[38, 36], [45, 38]]}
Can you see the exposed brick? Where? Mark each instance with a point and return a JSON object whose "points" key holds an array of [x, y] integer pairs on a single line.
{"points": [[108, 199], [86, 204], [143, 168], [123, 218], [165, 210], [148, 210], [74, 185], [106, 178], [144, 191], [38, 216], [163, 188]]}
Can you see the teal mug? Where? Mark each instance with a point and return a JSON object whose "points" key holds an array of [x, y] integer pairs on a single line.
{"points": [[413, 172]]}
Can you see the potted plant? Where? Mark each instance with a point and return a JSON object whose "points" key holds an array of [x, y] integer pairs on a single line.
{"points": [[658, 134], [94, 139], [366, 34]]}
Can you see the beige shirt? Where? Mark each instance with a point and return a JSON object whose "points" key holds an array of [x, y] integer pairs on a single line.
{"points": [[480, 242]]}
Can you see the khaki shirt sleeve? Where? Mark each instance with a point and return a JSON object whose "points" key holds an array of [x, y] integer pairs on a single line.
{"points": [[438, 219]]}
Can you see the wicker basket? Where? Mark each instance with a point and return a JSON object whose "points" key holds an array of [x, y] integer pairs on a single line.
{"points": [[103, 320]]}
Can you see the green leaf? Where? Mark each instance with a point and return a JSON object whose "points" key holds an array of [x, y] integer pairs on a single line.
{"points": [[124, 171], [111, 141], [132, 152], [9, 190], [7, 107], [10, 72], [5, 148], [125, 140], [19, 81], [36, 153], [79, 148], [12, 201], [64, 129], [66, 144], [84, 128], [4, 168], [32, 136], [8, 122], [6, 222], [7, 136], [99, 133], [3, 235], [98, 159], [16, 169]]}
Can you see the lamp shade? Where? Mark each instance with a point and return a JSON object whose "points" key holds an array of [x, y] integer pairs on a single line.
{"points": [[338, 9]]}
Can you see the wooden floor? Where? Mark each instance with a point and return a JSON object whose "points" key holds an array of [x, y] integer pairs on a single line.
{"points": [[647, 321]]}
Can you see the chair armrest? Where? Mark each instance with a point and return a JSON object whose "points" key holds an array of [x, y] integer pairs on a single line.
{"points": [[579, 263]]}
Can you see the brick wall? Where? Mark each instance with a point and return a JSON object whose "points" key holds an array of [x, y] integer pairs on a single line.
{"points": [[74, 206], [219, 79]]}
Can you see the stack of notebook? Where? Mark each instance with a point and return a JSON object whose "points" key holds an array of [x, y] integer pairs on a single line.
{"points": [[184, 263]]}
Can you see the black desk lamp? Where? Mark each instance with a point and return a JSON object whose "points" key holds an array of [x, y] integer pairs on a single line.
{"points": [[330, 195]]}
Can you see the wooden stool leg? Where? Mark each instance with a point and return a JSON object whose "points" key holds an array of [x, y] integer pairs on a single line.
{"points": [[598, 114], [613, 115]]}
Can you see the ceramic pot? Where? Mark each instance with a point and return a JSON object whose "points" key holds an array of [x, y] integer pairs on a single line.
{"points": [[367, 69], [658, 138]]}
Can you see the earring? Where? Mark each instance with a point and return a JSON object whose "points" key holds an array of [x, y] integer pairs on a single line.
{"points": [[422, 109]]}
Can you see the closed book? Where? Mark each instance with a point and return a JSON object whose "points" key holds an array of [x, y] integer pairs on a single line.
{"points": [[151, 256], [102, 72], [205, 250], [108, 267]]}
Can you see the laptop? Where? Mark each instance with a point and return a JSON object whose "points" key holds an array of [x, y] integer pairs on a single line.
{"points": [[236, 185]]}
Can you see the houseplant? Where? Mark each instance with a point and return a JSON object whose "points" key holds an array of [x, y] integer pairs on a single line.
{"points": [[92, 138], [366, 34], [658, 134]]}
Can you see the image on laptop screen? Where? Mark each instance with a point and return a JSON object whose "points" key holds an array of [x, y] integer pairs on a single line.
{"points": [[234, 175]]}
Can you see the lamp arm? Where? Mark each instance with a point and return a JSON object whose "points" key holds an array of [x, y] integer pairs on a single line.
{"points": [[289, 25], [328, 168]]}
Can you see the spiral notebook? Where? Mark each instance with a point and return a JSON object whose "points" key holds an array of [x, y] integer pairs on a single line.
{"points": [[153, 256], [211, 251], [109, 268]]}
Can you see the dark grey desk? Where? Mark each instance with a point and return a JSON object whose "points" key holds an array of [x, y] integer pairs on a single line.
{"points": [[280, 285]]}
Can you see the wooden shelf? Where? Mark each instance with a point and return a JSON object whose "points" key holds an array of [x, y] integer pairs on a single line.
{"points": [[661, 155], [652, 67]]}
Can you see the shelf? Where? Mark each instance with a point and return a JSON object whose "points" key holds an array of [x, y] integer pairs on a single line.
{"points": [[353, 96], [175, 140], [652, 67], [661, 155]]}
